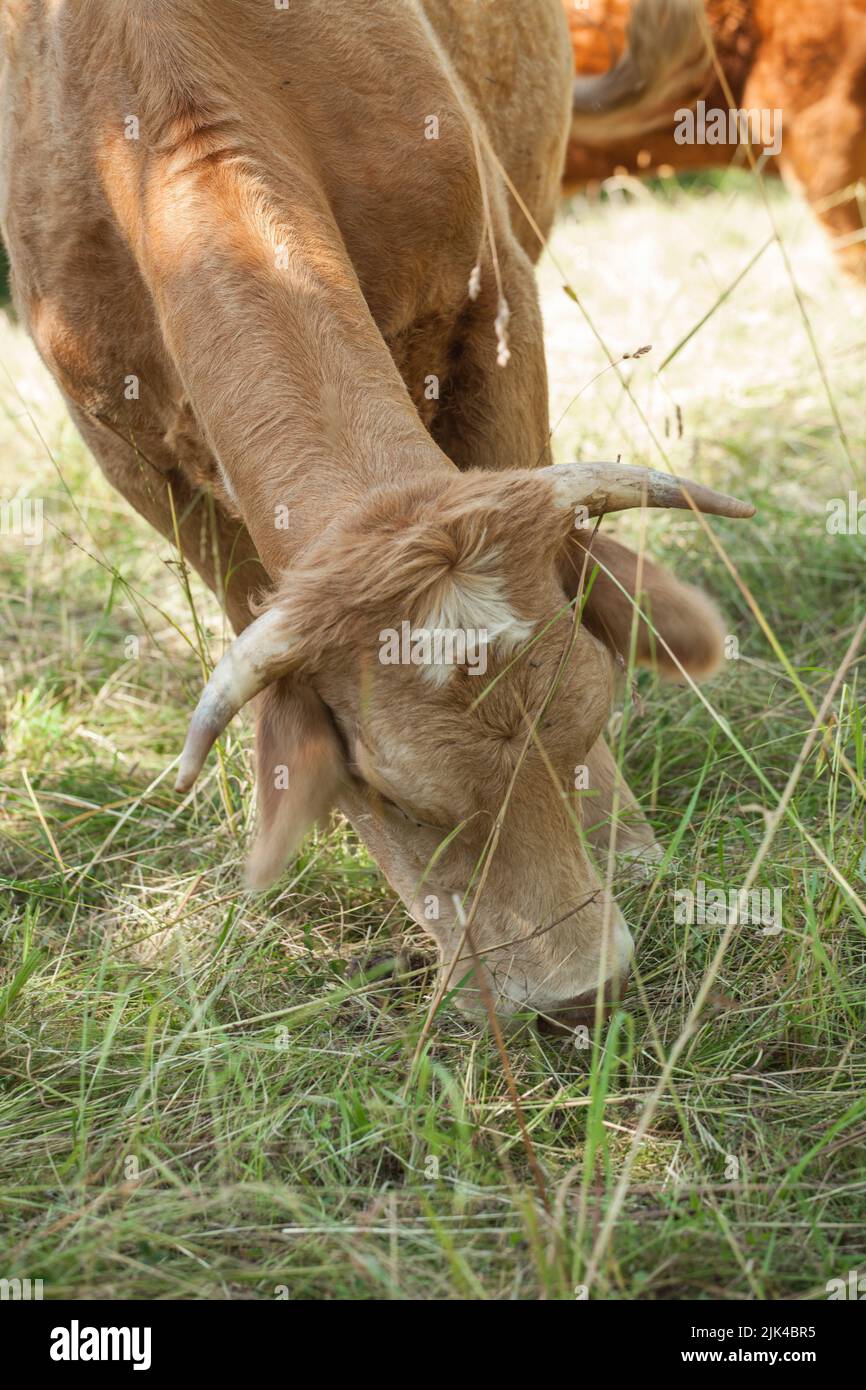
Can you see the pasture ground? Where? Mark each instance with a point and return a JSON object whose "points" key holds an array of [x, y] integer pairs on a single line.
{"points": [[199, 1098]]}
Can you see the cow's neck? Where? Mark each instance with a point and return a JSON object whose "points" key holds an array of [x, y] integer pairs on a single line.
{"points": [[337, 425], [296, 392]]}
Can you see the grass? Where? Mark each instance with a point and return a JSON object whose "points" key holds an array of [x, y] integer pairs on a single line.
{"points": [[201, 1098]]}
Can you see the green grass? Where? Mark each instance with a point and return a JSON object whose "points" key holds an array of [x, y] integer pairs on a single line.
{"points": [[200, 1098]]}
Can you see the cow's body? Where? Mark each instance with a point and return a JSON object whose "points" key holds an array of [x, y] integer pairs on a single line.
{"points": [[806, 58]]}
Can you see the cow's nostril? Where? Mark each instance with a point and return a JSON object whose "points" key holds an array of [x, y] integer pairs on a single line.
{"points": [[581, 1010]]}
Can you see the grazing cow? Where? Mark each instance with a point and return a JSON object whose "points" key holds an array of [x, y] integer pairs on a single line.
{"points": [[290, 233], [805, 59]]}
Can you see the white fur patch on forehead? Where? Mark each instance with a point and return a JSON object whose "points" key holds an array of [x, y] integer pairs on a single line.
{"points": [[479, 601], [473, 605]]}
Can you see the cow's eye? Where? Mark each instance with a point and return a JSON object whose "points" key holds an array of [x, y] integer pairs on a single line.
{"points": [[404, 815], [392, 806]]}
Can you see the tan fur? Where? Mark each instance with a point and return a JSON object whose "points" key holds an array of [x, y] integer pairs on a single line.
{"points": [[283, 261]]}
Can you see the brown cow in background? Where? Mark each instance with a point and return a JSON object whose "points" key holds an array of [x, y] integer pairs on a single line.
{"points": [[805, 58]]}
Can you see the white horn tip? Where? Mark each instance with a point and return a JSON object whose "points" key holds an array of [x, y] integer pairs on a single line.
{"points": [[199, 742]]}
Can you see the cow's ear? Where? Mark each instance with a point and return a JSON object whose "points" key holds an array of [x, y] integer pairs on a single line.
{"points": [[687, 623], [299, 771]]}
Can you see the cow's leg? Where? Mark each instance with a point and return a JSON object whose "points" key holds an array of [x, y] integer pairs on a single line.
{"points": [[822, 138], [214, 543], [522, 48], [611, 814], [831, 170]]}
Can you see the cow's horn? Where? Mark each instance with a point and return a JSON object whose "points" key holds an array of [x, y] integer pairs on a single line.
{"points": [[612, 487], [261, 653]]}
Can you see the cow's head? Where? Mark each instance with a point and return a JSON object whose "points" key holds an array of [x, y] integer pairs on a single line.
{"points": [[456, 758]]}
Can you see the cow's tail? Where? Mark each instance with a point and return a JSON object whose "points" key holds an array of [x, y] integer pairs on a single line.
{"points": [[666, 63]]}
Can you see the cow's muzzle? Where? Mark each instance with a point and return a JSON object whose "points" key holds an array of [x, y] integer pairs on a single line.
{"points": [[580, 1011]]}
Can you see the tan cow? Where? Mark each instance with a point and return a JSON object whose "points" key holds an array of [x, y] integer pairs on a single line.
{"points": [[290, 227], [798, 65]]}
